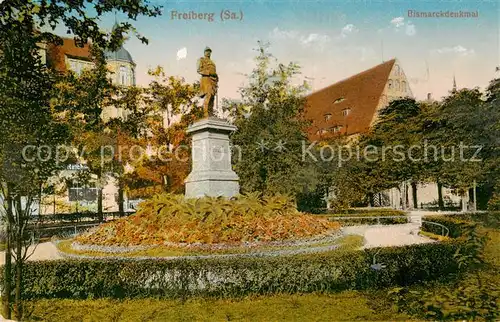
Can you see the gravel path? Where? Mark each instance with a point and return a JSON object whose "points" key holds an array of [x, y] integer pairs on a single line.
{"points": [[388, 235], [43, 251]]}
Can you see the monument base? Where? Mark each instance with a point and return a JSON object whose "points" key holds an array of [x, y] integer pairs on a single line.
{"points": [[212, 174], [198, 185]]}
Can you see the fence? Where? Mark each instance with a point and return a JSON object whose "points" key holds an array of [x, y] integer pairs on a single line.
{"points": [[59, 224]]}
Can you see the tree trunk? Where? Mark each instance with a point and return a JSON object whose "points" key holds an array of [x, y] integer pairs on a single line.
{"points": [[40, 203], [19, 275], [465, 201], [7, 273], [404, 196], [370, 199], [414, 194], [99, 205], [20, 214], [407, 197], [475, 196], [120, 199], [440, 196]]}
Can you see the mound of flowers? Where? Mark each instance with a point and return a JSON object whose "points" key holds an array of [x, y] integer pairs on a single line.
{"points": [[168, 218]]}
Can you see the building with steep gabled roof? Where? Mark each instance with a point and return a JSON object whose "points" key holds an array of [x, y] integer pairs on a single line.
{"points": [[350, 106], [66, 56]]}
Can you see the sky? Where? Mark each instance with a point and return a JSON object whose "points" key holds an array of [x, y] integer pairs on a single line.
{"points": [[330, 40]]}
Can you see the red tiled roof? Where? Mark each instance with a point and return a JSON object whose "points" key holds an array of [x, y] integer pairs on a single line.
{"points": [[56, 54], [359, 93]]}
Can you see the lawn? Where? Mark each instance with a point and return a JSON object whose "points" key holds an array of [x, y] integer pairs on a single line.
{"points": [[345, 306]]}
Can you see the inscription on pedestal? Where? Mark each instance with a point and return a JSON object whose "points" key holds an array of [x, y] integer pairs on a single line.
{"points": [[212, 174]]}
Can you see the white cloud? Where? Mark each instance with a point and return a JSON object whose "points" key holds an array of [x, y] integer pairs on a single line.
{"points": [[283, 34], [411, 30], [460, 50], [182, 53], [314, 39], [398, 22], [306, 40], [348, 29]]}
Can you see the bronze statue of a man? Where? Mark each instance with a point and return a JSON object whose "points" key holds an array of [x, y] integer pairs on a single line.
{"points": [[208, 82]]}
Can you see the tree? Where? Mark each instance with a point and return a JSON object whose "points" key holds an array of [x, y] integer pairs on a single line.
{"points": [[397, 129], [29, 136], [25, 105], [166, 98], [271, 129], [462, 125], [492, 180]]}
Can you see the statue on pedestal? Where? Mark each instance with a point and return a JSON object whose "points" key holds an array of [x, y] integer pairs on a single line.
{"points": [[208, 82]]}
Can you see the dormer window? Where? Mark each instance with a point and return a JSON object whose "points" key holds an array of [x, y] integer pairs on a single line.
{"points": [[346, 111], [78, 65], [336, 129], [328, 117], [338, 100]]}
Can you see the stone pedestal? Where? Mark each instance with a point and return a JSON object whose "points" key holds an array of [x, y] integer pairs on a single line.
{"points": [[211, 174]]}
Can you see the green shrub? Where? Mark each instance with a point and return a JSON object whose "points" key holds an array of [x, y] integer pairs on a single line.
{"points": [[490, 219], [494, 202], [463, 300], [457, 227], [476, 295], [232, 277]]}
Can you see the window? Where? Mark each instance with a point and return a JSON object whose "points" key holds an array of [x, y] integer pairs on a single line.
{"points": [[123, 75], [390, 83], [336, 129], [397, 85], [396, 70], [346, 111], [403, 86], [78, 191], [323, 131], [338, 100], [78, 66], [328, 116]]}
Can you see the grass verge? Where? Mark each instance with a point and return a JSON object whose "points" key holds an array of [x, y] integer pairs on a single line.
{"points": [[345, 306]]}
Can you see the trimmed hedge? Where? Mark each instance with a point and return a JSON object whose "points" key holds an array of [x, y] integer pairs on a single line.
{"points": [[369, 221], [374, 211], [232, 277], [490, 219], [457, 226]]}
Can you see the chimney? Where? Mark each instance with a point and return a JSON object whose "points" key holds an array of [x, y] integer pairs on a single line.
{"points": [[429, 97]]}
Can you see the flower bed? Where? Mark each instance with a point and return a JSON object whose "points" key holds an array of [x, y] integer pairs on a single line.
{"points": [[167, 219], [68, 249]]}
